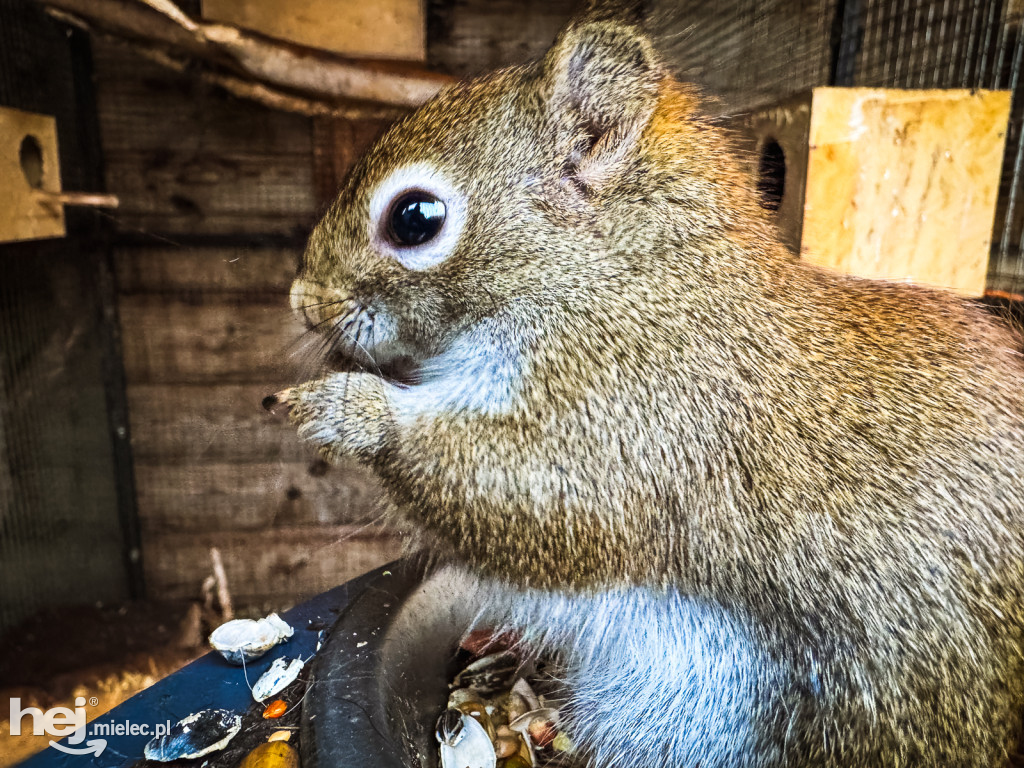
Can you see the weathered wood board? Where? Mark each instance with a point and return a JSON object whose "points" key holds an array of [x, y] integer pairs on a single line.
{"points": [[337, 145], [210, 463], [185, 158], [388, 29], [213, 339], [902, 185], [275, 567], [189, 424], [212, 496], [187, 271], [472, 36]]}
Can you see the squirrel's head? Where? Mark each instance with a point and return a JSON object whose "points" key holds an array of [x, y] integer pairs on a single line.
{"points": [[523, 185]]}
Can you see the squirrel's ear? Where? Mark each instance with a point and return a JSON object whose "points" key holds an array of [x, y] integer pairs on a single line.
{"points": [[603, 74]]}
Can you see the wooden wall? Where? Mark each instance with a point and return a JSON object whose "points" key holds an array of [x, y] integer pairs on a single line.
{"points": [[217, 197]]}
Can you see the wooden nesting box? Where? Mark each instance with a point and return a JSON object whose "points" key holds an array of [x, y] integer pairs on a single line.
{"points": [[886, 183], [29, 168]]}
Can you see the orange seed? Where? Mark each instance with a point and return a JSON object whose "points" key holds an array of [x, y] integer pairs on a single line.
{"points": [[275, 709]]}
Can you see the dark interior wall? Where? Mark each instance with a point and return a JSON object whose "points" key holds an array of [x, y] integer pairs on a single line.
{"points": [[468, 37], [66, 518]]}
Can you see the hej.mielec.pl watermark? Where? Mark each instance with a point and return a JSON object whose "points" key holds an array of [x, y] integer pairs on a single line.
{"points": [[58, 722]]}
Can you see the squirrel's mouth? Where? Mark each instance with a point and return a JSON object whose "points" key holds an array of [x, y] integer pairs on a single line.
{"points": [[390, 364], [355, 338]]}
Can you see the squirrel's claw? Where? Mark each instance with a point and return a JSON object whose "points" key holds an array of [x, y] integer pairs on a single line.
{"points": [[278, 403]]}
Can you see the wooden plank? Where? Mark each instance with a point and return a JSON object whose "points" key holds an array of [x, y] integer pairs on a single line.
{"points": [[183, 157], [164, 194], [206, 269], [188, 115], [210, 496], [389, 29], [337, 145], [214, 339], [189, 423], [473, 36], [276, 567], [902, 184]]}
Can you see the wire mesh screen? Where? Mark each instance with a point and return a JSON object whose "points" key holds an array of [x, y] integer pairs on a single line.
{"points": [[748, 53], [61, 536], [962, 44], [745, 53]]}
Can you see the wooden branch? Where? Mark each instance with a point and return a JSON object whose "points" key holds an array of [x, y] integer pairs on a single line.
{"points": [[271, 97], [85, 199], [221, 579], [310, 74], [303, 69]]}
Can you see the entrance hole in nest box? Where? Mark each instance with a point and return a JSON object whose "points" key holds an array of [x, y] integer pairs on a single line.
{"points": [[30, 155], [771, 175]]}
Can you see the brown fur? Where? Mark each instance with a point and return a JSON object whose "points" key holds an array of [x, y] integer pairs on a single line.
{"points": [[836, 460]]}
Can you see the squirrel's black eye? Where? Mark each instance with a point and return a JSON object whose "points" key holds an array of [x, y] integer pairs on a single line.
{"points": [[415, 218]]}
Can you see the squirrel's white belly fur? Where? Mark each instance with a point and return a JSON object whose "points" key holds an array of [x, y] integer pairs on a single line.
{"points": [[641, 664]]}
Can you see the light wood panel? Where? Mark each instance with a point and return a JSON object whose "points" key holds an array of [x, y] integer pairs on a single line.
{"points": [[25, 174], [902, 184], [388, 29]]}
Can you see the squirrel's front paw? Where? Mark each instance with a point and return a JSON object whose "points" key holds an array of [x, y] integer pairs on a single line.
{"points": [[345, 414]]}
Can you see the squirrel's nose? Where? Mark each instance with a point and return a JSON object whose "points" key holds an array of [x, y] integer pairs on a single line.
{"points": [[315, 303], [301, 298]]}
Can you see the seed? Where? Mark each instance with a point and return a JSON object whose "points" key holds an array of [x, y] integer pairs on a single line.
{"points": [[506, 746], [562, 742], [542, 732], [275, 754], [475, 709], [275, 709]]}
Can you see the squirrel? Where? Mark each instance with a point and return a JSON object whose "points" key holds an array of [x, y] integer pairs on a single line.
{"points": [[773, 515]]}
